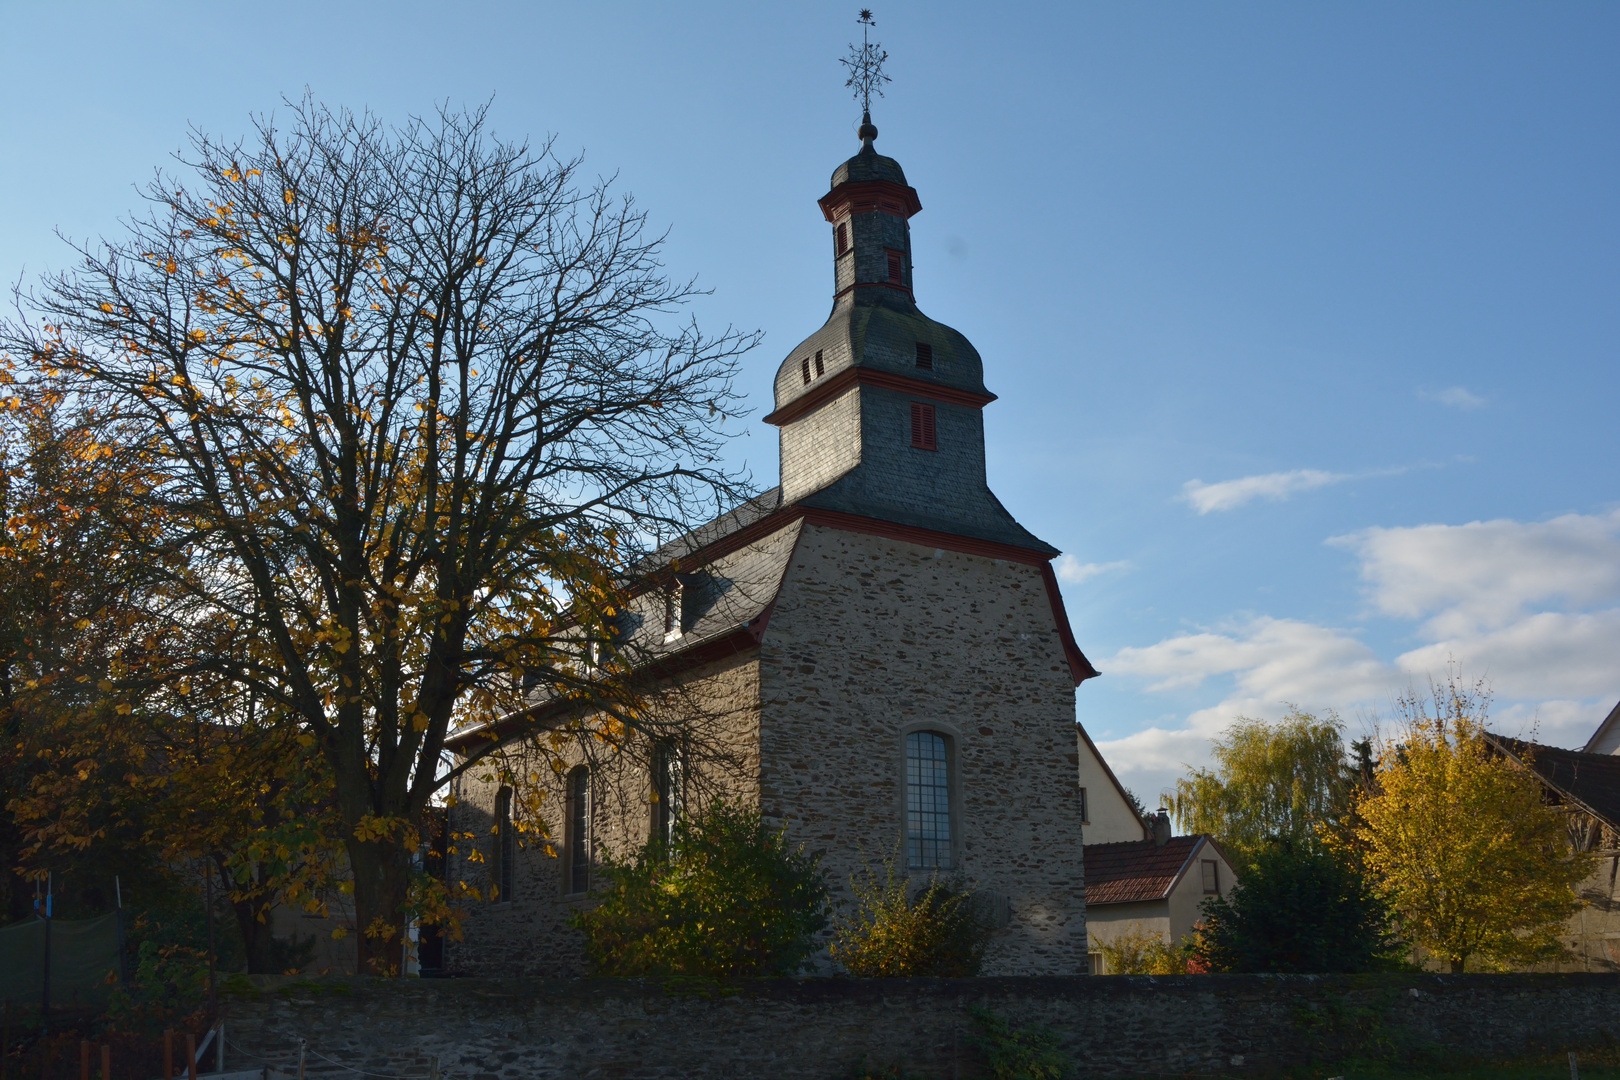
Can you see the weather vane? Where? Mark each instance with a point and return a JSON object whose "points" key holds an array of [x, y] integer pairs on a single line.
{"points": [[865, 63]]}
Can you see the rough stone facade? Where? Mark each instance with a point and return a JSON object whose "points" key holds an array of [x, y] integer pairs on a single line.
{"points": [[826, 1029], [872, 639]]}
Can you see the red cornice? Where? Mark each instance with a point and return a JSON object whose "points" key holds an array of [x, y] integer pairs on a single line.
{"points": [[864, 196], [886, 380], [1079, 666]]}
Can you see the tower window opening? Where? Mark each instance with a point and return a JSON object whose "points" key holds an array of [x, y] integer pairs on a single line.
{"points": [[821, 369], [896, 277], [669, 789], [841, 238], [504, 870], [925, 356], [804, 366], [922, 426]]}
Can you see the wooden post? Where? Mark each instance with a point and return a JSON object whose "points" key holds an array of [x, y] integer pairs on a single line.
{"points": [[191, 1056], [84, 1059], [1574, 1070], [168, 1054], [106, 1063]]}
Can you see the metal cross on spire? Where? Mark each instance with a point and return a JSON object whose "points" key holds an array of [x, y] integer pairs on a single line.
{"points": [[865, 64]]}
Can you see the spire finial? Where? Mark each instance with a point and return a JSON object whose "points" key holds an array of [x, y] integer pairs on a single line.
{"points": [[865, 64]]}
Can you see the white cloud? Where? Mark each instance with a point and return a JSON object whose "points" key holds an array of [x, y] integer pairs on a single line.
{"points": [[1072, 571], [1530, 606], [1455, 397], [1485, 573], [1231, 494]]}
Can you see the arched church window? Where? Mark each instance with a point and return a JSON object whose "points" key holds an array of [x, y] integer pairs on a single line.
{"points": [[578, 839], [669, 788], [928, 802], [503, 871]]}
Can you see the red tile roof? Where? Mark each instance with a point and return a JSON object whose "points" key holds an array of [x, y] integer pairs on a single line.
{"points": [[1136, 870]]}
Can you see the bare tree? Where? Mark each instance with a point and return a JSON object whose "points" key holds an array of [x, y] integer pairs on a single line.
{"points": [[418, 397]]}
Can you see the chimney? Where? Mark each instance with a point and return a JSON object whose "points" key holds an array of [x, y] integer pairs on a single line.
{"points": [[1161, 827]]}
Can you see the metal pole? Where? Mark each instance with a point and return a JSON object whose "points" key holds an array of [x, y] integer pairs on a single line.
{"points": [[123, 960], [219, 1049], [303, 1044], [213, 1004]]}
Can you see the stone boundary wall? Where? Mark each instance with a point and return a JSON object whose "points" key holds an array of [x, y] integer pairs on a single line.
{"points": [[825, 1029]]}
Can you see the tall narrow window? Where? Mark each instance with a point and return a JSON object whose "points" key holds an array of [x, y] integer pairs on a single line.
{"points": [[579, 830], [669, 786], [841, 238], [928, 802], [1212, 876], [821, 369], [804, 366], [896, 277], [922, 426], [502, 873], [925, 356]]}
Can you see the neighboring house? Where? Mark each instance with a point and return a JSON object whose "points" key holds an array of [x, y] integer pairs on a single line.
{"points": [[1606, 739], [1153, 886], [878, 650], [1587, 786]]}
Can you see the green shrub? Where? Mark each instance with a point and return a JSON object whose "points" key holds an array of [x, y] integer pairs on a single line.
{"points": [[1136, 951], [728, 897], [940, 931], [1018, 1053]]}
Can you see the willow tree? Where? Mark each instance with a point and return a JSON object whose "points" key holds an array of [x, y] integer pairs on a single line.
{"points": [[414, 398], [1271, 782]]}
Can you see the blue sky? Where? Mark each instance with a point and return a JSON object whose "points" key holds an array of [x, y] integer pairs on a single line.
{"points": [[1303, 318]]}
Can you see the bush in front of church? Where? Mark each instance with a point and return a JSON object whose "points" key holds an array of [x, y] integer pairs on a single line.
{"points": [[727, 897], [940, 931]]}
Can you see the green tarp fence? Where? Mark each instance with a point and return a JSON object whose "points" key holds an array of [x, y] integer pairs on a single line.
{"points": [[84, 961]]}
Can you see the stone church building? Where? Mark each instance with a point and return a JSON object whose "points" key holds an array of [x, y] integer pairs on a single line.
{"points": [[883, 644]]}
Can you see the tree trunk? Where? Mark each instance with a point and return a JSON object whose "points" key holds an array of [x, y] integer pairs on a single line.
{"points": [[1457, 963], [381, 886]]}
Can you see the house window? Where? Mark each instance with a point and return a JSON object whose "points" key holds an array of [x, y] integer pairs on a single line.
{"points": [[841, 238], [928, 802], [1094, 963], [821, 369], [804, 366], [1212, 876], [669, 789], [925, 356], [922, 426], [1085, 816], [505, 853], [895, 268], [578, 840]]}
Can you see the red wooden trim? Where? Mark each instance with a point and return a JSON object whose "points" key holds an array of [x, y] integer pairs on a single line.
{"points": [[865, 196], [872, 285], [1079, 666], [884, 380]]}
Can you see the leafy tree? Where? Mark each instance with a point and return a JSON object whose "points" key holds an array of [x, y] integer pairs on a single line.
{"points": [[408, 402], [1135, 951], [1304, 909], [940, 930], [1271, 782], [728, 897], [1477, 866]]}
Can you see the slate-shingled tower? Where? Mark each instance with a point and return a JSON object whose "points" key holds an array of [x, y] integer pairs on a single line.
{"points": [[885, 646], [880, 408]]}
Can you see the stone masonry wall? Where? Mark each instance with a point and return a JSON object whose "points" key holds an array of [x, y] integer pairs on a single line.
{"points": [[825, 1029], [528, 933], [871, 639]]}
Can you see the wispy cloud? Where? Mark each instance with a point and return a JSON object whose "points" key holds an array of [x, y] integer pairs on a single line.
{"points": [[1454, 397], [1072, 571], [1231, 494]]}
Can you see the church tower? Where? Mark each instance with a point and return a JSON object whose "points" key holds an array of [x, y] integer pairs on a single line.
{"points": [[880, 410]]}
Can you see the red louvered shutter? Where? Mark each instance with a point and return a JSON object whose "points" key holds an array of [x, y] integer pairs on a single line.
{"points": [[925, 356], [895, 277], [804, 366], [922, 426]]}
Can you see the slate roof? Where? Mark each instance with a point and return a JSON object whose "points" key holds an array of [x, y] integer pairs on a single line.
{"points": [[1591, 781], [1135, 870], [868, 165]]}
